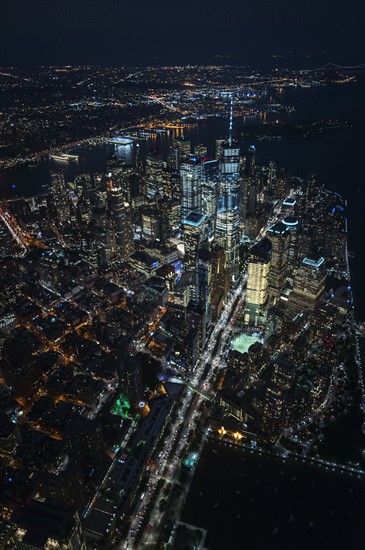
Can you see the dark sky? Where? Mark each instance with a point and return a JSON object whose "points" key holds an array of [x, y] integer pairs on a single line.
{"points": [[117, 32]]}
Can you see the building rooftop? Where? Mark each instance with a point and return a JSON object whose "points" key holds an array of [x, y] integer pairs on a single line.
{"points": [[290, 221], [278, 229], [157, 283], [194, 218], [262, 249], [313, 262], [45, 519], [289, 202]]}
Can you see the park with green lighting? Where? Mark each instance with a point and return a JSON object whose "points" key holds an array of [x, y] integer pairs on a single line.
{"points": [[121, 407], [243, 341]]}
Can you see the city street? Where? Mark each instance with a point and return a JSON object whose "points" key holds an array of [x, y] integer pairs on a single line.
{"points": [[189, 414]]}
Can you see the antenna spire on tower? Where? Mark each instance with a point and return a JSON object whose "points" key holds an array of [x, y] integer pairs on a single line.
{"points": [[230, 122]]}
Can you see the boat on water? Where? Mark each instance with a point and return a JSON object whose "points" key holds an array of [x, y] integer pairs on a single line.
{"points": [[64, 158], [238, 493], [275, 530], [311, 524], [215, 505], [238, 516], [291, 518], [121, 141], [214, 451]]}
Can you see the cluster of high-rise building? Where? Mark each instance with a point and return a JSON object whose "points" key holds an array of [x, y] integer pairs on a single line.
{"points": [[190, 203], [118, 271], [297, 318]]}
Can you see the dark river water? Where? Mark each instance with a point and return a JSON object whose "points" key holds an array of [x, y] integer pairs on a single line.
{"points": [[248, 500]]}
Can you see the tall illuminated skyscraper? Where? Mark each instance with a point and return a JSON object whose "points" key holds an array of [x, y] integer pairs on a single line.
{"points": [[60, 197], [203, 280], [227, 226], [191, 185], [157, 178], [271, 175], [121, 216], [168, 212], [183, 148], [210, 177], [105, 240], [279, 236], [258, 282], [309, 283], [195, 233], [220, 281], [250, 160]]}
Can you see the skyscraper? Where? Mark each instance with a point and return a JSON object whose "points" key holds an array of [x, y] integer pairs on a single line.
{"points": [[258, 282], [150, 222], [105, 235], [169, 218], [173, 158], [220, 280], [243, 198], [190, 181], [194, 230], [60, 197], [210, 173], [252, 199], [203, 279], [250, 160], [279, 236], [309, 284], [294, 231], [183, 146], [121, 216], [271, 175], [227, 226], [158, 179]]}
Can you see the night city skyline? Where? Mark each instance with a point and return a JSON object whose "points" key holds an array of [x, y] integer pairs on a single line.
{"points": [[182, 306]]}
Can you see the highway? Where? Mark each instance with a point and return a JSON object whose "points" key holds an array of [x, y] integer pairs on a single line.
{"points": [[14, 230], [189, 415], [23, 238], [161, 102]]}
